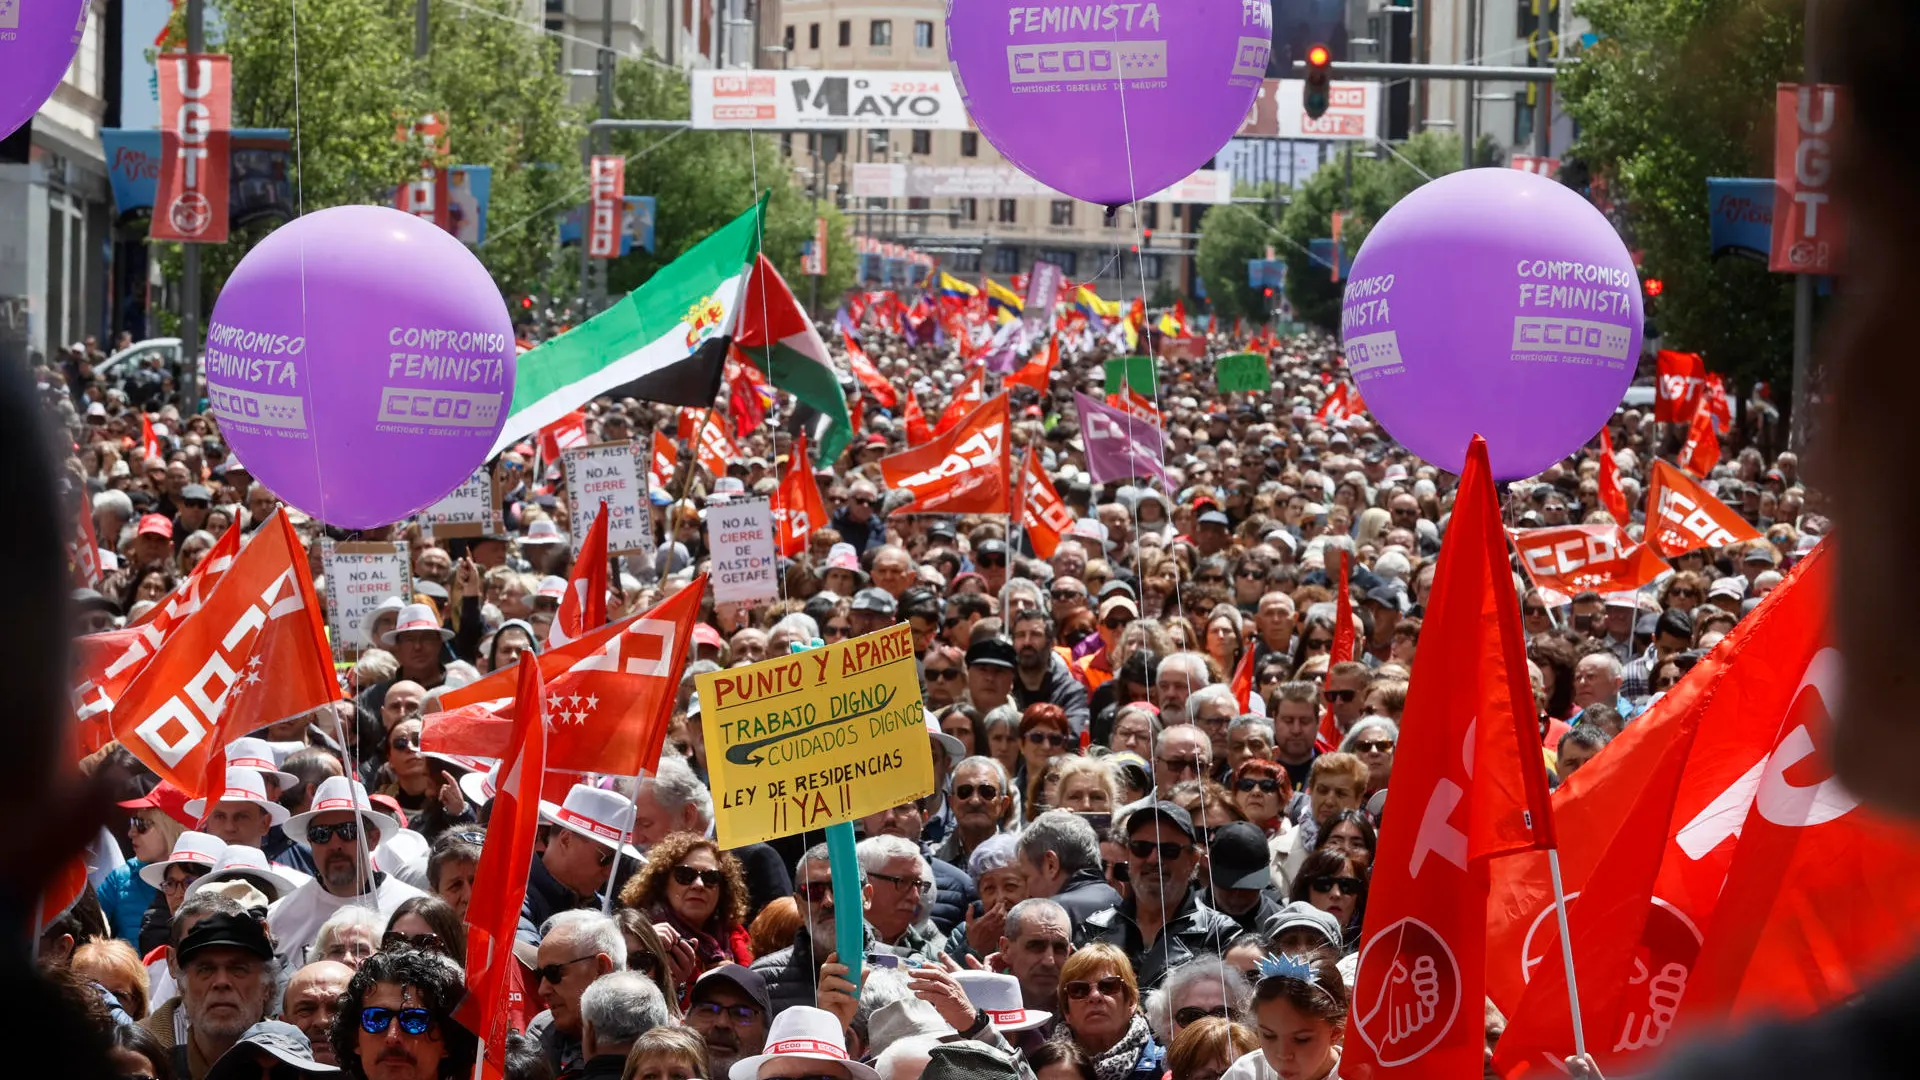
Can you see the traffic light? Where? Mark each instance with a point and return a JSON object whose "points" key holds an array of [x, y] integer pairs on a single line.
{"points": [[1319, 90], [1652, 288]]}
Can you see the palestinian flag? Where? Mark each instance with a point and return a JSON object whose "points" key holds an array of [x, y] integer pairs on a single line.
{"points": [[776, 334], [665, 341]]}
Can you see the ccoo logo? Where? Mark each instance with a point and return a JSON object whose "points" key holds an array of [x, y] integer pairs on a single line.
{"points": [[1413, 986]]}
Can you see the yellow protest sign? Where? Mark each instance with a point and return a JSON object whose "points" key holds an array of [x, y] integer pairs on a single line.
{"points": [[801, 741]]}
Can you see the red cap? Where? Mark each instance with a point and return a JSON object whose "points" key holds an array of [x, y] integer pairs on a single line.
{"points": [[167, 799], [156, 525], [703, 634]]}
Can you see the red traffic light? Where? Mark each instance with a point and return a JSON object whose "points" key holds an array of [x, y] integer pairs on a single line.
{"points": [[526, 301], [1319, 56], [1269, 291], [1654, 286]]}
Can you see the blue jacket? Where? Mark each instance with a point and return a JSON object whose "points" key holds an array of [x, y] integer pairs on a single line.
{"points": [[125, 898]]}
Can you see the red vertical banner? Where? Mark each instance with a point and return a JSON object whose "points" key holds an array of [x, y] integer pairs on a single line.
{"points": [[814, 262], [196, 115], [425, 195], [606, 198], [1339, 226], [1808, 235]]}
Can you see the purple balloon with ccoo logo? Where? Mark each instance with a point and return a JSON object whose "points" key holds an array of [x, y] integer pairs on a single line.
{"points": [[38, 39], [1498, 303], [1109, 103], [360, 362]]}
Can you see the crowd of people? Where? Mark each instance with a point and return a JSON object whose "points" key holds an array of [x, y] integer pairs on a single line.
{"points": [[1127, 868]]}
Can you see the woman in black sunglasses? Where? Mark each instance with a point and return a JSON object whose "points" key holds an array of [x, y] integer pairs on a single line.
{"points": [[1044, 734], [696, 895], [1336, 883]]}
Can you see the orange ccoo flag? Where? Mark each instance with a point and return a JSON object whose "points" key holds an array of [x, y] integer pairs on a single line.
{"points": [[1683, 516], [1611, 497]]}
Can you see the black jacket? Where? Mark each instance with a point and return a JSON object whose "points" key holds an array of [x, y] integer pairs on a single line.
{"points": [[953, 894], [790, 973], [1194, 928], [598, 1067], [546, 897], [768, 876], [1057, 687], [1084, 893]]}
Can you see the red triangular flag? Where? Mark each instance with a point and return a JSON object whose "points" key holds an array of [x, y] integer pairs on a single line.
{"points": [[1242, 684], [965, 400], [917, 430], [1682, 516], [1038, 372], [149, 442], [1044, 515], [1469, 784], [584, 607], [870, 377], [798, 509], [1702, 451], [1611, 496], [1329, 736]]}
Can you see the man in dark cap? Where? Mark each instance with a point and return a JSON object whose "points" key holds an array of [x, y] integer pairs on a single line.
{"points": [[224, 965], [990, 665], [730, 1010], [1163, 924]]}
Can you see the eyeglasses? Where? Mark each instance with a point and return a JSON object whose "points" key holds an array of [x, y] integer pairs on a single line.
{"points": [[138, 825], [1251, 572], [174, 884], [404, 742], [1193, 1014], [1179, 765], [1326, 883], [1319, 644], [1254, 783], [990, 560], [687, 875], [860, 501], [553, 973], [1115, 624], [1342, 697], [359, 950], [1108, 986], [1373, 746], [966, 792], [942, 674], [1533, 612], [1681, 593], [1210, 579], [376, 1021], [741, 1014], [394, 939], [832, 631], [1046, 738], [469, 836], [1147, 849], [910, 883], [814, 892], [1061, 596], [347, 831]]}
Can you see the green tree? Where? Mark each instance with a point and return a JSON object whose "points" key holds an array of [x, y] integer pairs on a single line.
{"points": [[1673, 92], [1229, 236], [703, 179]]}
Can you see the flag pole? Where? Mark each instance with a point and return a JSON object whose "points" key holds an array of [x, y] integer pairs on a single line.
{"points": [[613, 869], [1566, 952]]}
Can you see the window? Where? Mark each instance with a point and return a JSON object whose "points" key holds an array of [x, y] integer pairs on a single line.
{"points": [[969, 144], [919, 202], [969, 209], [1062, 212], [1007, 212], [879, 144], [813, 35], [880, 32], [1149, 215], [1067, 261], [1150, 266], [922, 34], [786, 144], [923, 142], [1006, 260], [846, 32], [967, 262], [788, 39], [877, 202]]}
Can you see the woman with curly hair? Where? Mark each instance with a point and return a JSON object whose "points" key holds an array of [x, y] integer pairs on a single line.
{"points": [[696, 895]]}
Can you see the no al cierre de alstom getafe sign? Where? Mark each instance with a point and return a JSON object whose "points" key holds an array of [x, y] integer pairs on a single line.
{"points": [[805, 740]]}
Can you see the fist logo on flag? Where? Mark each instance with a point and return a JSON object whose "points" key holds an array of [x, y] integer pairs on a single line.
{"points": [[1661, 966], [1416, 992]]}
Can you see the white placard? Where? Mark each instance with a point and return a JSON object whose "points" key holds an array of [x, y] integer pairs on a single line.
{"points": [[468, 510], [359, 577], [740, 536], [610, 472], [834, 100]]}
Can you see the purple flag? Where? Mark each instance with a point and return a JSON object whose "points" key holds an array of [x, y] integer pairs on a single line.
{"points": [[1120, 446], [1043, 289]]}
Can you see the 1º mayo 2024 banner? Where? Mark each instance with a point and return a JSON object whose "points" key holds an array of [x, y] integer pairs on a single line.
{"points": [[812, 738]]}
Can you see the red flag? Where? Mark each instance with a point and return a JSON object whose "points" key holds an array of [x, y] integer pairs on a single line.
{"points": [[966, 399], [584, 607], [569, 430], [149, 442], [1717, 404], [798, 509], [716, 449], [689, 425], [917, 430], [1335, 407], [1038, 372], [1328, 738], [666, 458], [1572, 559], [1611, 497], [1242, 684], [1682, 516], [857, 415], [500, 886], [1134, 403], [1702, 451], [1043, 514], [1722, 871], [1474, 787], [253, 654], [870, 377], [610, 695], [965, 471], [743, 397], [83, 549], [1678, 383], [60, 892]]}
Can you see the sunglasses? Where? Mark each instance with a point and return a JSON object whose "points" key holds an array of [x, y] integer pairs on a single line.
{"points": [[966, 792], [741, 1014], [1326, 883], [406, 743], [1342, 697], [1046, 738], [1319, 644], [138, 825], [1181, 764], [1211, 579], [1193, 1014], [991, 560], [1681, 593], [1251, 572], [553, 973], [1534, 612], [393, 939], [348, 831], [1252, 783], [1147, 849], [376, 1021], [863, 502], [832, 631], [1109, 986], [687, 875], [942, 674], [1119, 872], [1066, 595], [1115, 624], [1373, 746]]}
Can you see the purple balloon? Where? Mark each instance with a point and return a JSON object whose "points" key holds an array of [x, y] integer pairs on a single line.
{"points": [[360, 362], [1109, 102], [1498, 303], [37, 41]]}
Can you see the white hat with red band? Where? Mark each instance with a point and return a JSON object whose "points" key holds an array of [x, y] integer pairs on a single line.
{"points": [[200, 848], [605, 817], [337, 794], [802, 1031], [998, 996], [552, 587], [257, 754], [243, 785], [416, 618], [249, 864]]}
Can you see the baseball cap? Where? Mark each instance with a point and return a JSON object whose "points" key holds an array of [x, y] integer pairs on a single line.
{"points": [[1732, 588], [992, 652], [1237, 852], [878, 601], [1170, 812], [167, 799], [1118, 602], [156, 525], [196, 493], [241, 932], [1215, 517], [1303, 915], [287, 1044], [747, 980]]}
